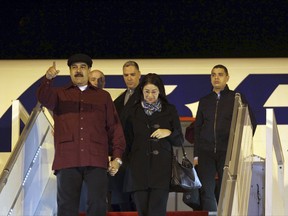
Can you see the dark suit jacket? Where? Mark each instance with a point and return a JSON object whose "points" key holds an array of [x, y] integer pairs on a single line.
{"points": [[123, 110], [116, 182]]}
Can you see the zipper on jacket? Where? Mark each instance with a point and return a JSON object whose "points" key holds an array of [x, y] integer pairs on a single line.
{"points": [[215, 121]]}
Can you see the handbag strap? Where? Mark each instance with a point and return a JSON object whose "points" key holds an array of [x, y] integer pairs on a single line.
{"points": [[183, 151], [185, 161]]}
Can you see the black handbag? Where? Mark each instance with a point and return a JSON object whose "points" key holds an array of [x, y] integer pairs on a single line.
{"points": [[192, 199], [184, 176]]}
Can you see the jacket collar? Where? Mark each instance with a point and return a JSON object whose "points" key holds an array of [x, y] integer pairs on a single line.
{"points": [[226, 89], [223, 92]]}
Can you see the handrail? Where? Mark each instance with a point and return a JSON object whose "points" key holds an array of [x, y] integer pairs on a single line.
{"points": [[237, 167], [18, 146], [276, 138], [227, 174], [237, 103], [272, 140], [19, 114]]}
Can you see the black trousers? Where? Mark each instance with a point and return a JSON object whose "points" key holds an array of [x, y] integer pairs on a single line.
{"points": [[151, 202], [69, 184], [210, 164], [120, 201]]}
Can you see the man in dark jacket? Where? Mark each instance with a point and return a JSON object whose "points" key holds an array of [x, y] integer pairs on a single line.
{"points": [[121, 201], [212, 129], [131, 76], [86, 125]]}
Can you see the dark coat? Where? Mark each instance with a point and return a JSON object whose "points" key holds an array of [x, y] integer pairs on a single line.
{"points": [[116, 182], [213, 121], [149, 160], [123, 110]]}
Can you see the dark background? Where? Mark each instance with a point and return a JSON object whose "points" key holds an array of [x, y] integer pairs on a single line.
{"points": [[143, 29]]}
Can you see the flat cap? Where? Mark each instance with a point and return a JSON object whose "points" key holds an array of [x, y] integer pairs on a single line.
{"points": [[80, 57]]}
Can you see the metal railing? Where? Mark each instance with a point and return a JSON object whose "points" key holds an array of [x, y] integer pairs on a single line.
{"points": [[27, 173], [234, 195], [28, 121], [274, 148]]}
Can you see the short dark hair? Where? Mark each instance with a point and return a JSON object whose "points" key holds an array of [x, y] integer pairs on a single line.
{"points": [[131, 63], [221, 66]]}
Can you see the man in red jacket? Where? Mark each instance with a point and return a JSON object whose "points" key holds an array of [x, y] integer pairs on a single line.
{"points": [[85, 124]]}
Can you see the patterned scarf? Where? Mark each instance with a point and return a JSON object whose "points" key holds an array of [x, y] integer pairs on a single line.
{"points": [[149, 109]]}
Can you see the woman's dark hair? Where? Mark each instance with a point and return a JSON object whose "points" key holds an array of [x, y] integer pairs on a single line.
{"points": [[153, 78]]}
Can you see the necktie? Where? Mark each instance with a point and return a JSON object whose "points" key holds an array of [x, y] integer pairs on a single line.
{"points": [[128, 95]]}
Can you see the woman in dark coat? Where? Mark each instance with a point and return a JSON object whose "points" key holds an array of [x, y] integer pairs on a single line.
{"points": [[152, 128]]}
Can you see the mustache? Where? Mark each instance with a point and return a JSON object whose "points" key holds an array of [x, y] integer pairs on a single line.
{"points": [[78, 74]]}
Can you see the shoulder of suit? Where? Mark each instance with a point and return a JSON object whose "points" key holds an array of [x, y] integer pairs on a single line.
{"points": [[121, 96]]}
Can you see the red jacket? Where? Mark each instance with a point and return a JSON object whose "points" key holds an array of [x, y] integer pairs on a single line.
{"points": [[85, 124]]}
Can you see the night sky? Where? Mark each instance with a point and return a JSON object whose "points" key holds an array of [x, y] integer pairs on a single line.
{"points": [[45, 29]]}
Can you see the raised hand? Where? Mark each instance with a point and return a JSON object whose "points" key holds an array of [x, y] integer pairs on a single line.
{"points": [[52, 72]]}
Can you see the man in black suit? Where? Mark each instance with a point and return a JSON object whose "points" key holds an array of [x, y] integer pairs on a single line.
{"points": [[131, 76], [121, 201]]}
